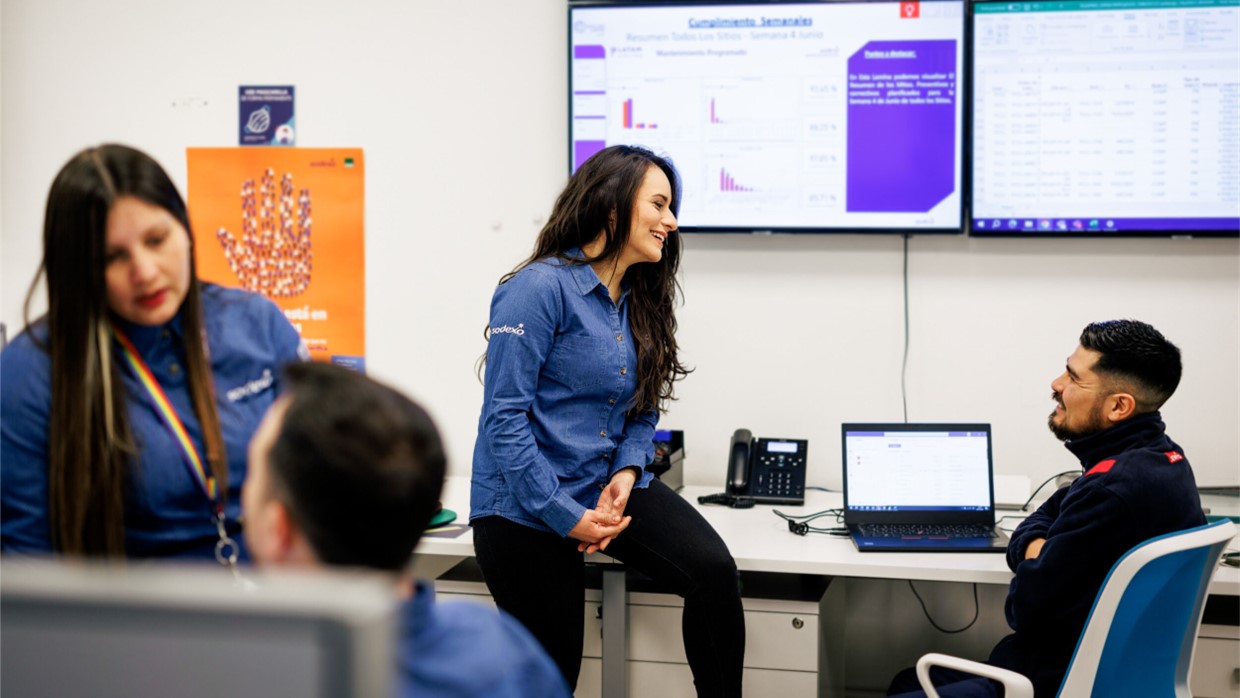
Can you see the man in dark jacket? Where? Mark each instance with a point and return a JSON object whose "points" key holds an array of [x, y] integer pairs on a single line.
{"points": [[1137, 485]]}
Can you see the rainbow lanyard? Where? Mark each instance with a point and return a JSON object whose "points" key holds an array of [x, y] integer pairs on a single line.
{"points": [[226, 548]]}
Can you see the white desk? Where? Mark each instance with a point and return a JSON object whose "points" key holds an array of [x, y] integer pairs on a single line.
{"points": [[760, 542]]}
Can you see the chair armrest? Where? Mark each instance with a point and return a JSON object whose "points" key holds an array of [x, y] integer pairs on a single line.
{"points": [[1014, 685]]}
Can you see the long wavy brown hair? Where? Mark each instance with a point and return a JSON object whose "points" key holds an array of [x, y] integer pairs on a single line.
{"points": [[599, 198], [90, 444]]}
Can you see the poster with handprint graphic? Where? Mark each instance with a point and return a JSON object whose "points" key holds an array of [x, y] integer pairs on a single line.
{"points": [[287, 223]]}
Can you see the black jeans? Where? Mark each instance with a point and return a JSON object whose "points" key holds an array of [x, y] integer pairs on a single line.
{"points": [[539, 578]]}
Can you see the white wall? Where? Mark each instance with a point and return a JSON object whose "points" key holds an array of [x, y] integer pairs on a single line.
{"points": [[461, 109]]}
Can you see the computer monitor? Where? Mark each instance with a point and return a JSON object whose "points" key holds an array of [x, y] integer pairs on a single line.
{"points": [[1105, 118], [82, 630], [809, 117]]}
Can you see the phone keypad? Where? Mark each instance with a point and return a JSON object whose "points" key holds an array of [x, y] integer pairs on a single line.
{"points": [[782, 484], [783, 475]]}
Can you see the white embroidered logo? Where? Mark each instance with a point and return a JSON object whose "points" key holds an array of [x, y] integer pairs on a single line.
{"points": [[254, 387], [518, 330]]}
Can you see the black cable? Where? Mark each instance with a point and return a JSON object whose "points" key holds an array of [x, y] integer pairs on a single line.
{"points": [[1025, 506], [904, 362], [977, 611], [801, 526], [837, 513], [735, 501]]}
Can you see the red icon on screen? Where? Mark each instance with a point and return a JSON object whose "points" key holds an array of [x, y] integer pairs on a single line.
{"points": [[910, 10]]}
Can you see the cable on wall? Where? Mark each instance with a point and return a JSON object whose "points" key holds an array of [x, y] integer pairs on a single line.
{"points": [[904, 361], [1047, 481]]}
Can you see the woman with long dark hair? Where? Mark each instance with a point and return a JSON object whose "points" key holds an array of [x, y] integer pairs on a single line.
{"points": [[126, 409], [581, 359]]}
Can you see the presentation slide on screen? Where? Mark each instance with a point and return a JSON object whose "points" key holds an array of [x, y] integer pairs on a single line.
{"points": [[1105, 116], [815, 116], [918, 470]]}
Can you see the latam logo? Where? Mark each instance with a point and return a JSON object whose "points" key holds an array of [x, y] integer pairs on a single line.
{"points": [[1173, 457]]}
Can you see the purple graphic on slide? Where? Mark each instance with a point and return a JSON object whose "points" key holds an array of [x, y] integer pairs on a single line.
{"points": [[589, 51], [582, 150], [901, 126]]}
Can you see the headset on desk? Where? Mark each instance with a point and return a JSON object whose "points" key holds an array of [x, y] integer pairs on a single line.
{"points": [[801, 525]]}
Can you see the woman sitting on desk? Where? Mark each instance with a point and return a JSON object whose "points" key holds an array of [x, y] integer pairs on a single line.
{"points": [[126, 410], [581, 357]]}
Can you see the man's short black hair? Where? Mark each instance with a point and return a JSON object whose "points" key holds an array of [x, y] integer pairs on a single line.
{"points": [[1137, 354], [359, 466]]}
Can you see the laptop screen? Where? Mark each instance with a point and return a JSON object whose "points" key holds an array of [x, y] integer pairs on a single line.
{"points": [[917, 468]]}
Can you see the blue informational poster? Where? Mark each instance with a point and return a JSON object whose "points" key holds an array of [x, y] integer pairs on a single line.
{"points": [[265, 113]]}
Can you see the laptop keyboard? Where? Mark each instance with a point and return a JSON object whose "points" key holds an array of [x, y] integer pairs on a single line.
{"points": [[934, 531]]}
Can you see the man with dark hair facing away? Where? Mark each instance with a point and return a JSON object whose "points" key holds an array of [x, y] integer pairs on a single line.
{"points": [[1137, 485], [344, 471]]}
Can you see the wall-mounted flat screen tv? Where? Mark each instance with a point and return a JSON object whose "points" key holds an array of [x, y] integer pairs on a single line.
{"points": [[810, 117], [1106, 118]]}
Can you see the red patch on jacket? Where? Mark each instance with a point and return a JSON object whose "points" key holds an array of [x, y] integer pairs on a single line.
{"points": [[1173, 456], [1101, 467]]}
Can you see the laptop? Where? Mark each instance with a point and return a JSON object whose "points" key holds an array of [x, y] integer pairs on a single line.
{"points": [[920, 488]]}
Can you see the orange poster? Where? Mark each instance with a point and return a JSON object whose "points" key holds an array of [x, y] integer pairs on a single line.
{"points": [[288, 223]]}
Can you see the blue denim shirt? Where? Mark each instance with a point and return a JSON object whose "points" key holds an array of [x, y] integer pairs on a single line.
{"points": [[166, 512], [561, 371], [459, 648]]}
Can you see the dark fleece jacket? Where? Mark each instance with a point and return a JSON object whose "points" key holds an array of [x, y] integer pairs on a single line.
{"points": [[1137, 485]]}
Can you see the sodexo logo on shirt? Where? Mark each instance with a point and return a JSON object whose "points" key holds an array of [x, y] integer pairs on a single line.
{"points": [[518, 330], [254, 387]]}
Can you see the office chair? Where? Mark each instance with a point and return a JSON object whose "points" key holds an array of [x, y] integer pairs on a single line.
{"points": [[1140, 634]]}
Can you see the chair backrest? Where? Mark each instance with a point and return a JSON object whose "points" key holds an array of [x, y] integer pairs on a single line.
{"points": [[1139, 638]]}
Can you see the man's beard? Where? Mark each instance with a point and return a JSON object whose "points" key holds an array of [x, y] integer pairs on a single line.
{"points": [[1065, 433]]}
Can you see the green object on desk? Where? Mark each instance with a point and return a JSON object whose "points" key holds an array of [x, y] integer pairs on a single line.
{"points": [[443, 516]]}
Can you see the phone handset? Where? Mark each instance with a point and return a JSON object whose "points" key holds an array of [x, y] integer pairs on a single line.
{"points": [[739, 466], [739, 462]]}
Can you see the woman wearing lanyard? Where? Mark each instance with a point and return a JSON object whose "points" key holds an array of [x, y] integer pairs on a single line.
{"points": [[581, 357], [126, 409]]}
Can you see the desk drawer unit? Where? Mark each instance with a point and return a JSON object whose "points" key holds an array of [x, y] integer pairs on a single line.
{"points": [[1216, 662], [781, 652]]}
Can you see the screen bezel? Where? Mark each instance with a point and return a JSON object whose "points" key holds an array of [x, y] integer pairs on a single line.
{"points": [[959, 229], [970, 134]]}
